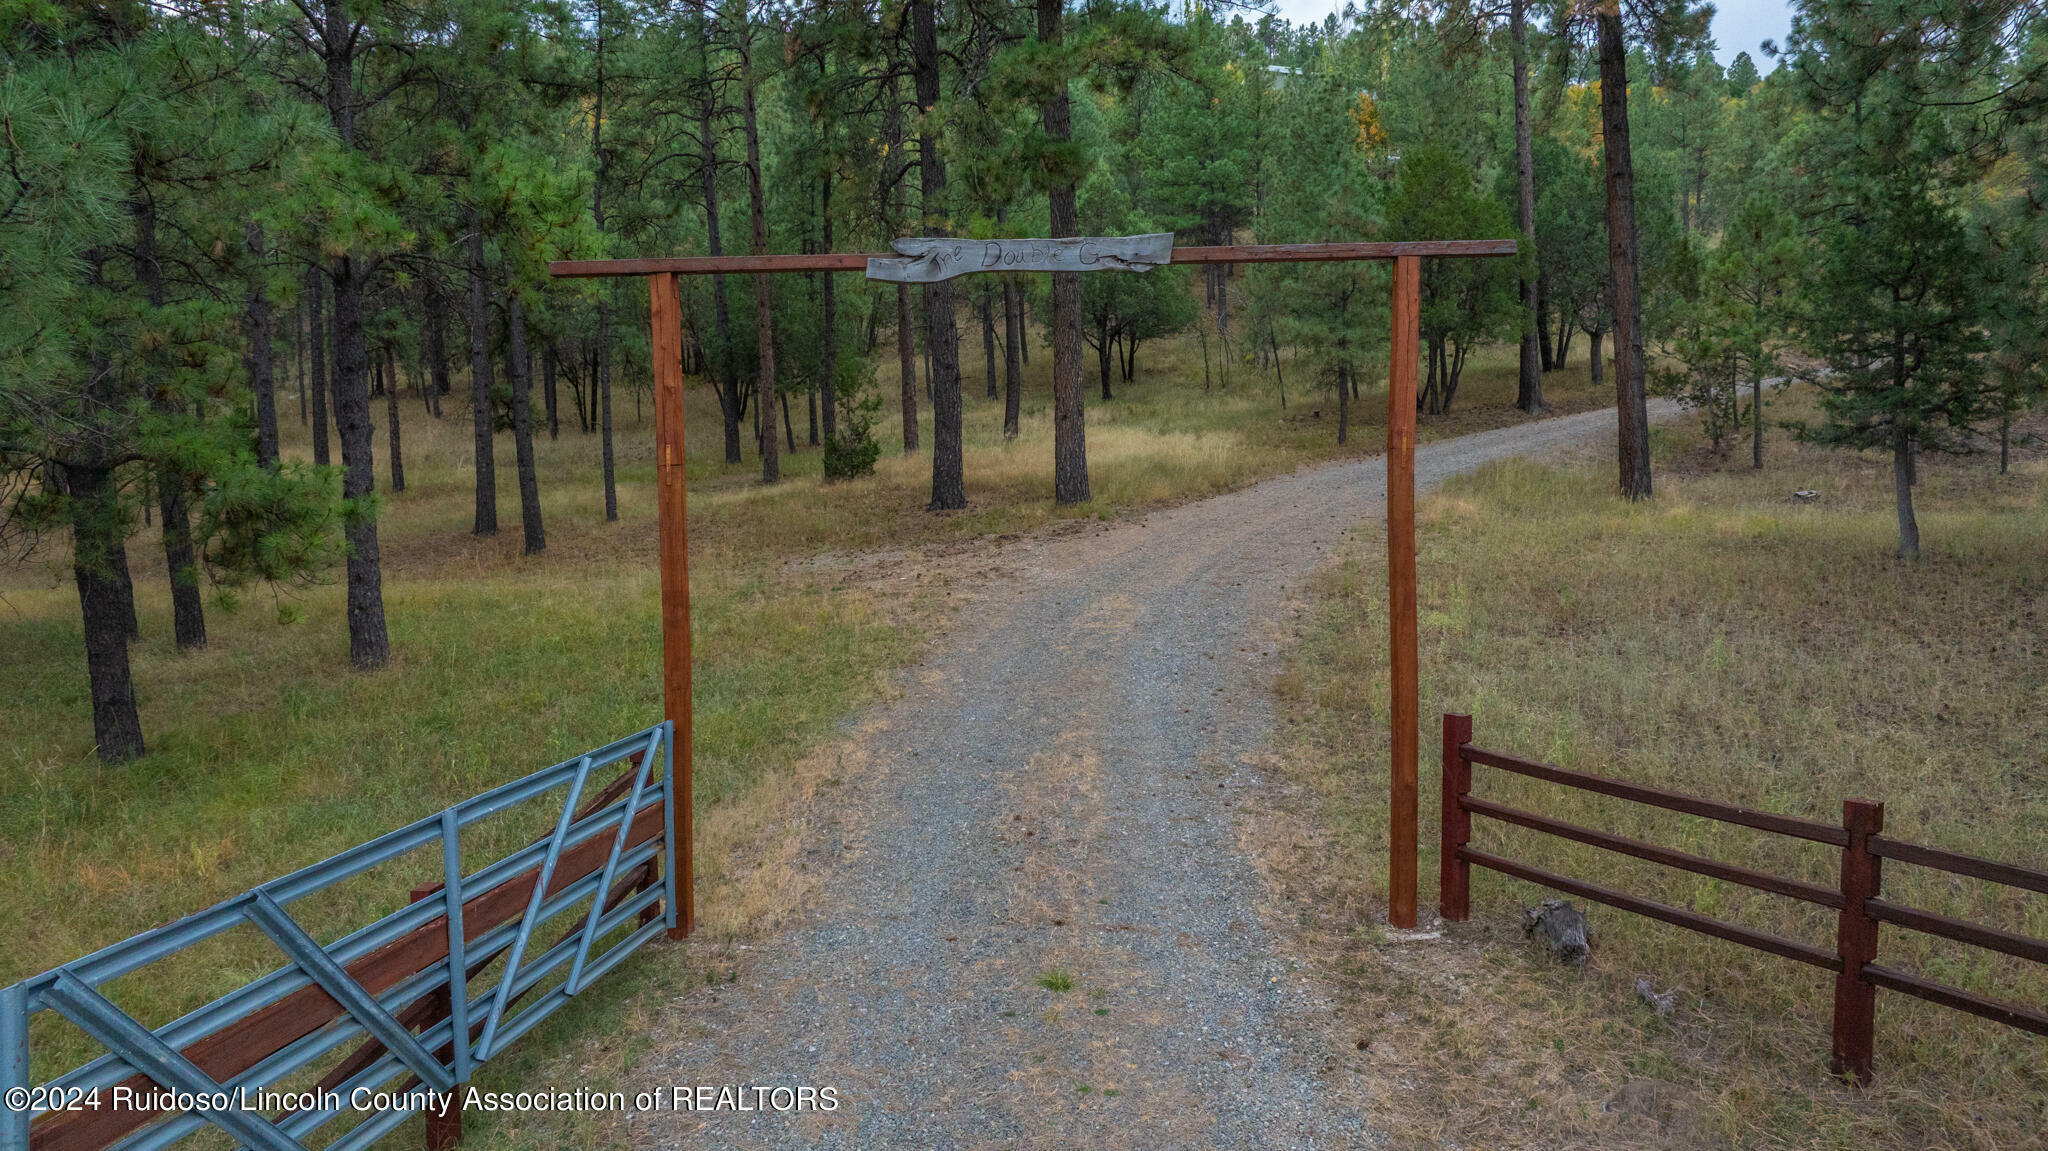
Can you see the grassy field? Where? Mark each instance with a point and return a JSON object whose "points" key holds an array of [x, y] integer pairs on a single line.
{"points": [[1727, 641], [267, 754]]}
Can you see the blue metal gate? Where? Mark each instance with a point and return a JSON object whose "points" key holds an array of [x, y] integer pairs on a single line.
{"points": [[400, 987]]}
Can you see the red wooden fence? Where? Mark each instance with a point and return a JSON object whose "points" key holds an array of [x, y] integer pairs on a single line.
{"points": [[1857, 898]]}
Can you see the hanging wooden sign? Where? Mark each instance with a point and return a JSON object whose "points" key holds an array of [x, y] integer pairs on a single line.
{"points": [[929, 259]]}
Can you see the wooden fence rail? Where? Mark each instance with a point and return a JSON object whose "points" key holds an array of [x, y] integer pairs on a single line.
{"points": [[1857, 899]]}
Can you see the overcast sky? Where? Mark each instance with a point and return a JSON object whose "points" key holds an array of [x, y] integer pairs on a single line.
{"points": [[1739, 25]]}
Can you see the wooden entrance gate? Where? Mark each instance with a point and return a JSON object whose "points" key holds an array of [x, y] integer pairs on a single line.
{"points": [[665, 318]]}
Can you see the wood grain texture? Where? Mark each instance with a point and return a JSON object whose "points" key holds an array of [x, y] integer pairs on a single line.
{"points": [[1919, 856], [671, 498], [1454, 875], [1685, 861], [1668, 800], [1405, 714], [930, 259]]}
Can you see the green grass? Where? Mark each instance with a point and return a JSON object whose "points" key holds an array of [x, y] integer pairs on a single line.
{"points": [[1056, 981], [1723, 640]]}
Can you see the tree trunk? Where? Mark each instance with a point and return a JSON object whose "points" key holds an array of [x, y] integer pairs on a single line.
{"points": [[828, 336], [1902, 492], [437, 344], [1013, 350], [1343, 399], [299, 361], [1623, 260], [1594, 371], [1756, 419], [1069, 429], [316, 355], [764, 299], [1543, 322], [988, 339], [262, 380], [604, 325], [906, 361], [547, 390], [391, 417], [369, 643], [1103, 350], [787, 433], [942, 379], [604, 402], [106, 602], [522, 426], [480, 384], [188, 614], [1279, 378], [1529, 394], [942, 332], [728, 384]]}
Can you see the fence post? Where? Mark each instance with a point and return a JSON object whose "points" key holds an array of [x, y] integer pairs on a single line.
{"points": [[1404, 722], [444, 1129], [1454, 882], [1856, 942], [672, 521]]}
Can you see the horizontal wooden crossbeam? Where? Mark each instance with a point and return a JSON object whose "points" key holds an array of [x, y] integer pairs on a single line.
{"points": [[858, 261]]}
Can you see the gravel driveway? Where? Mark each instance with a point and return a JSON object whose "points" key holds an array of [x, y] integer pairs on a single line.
{"points": [[1053, 800]]}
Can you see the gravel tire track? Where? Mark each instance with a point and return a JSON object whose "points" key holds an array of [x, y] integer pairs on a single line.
{"points": [[1057, 790]]}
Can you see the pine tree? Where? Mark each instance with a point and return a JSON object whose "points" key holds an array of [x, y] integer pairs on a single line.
{"points": [[129, 146], [1895, 301]]}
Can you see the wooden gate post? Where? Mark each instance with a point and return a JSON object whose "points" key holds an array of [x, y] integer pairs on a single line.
{"points": [[1856, 942], [444, 1127], [1454, 875], [1404, 716], [665, 318]]}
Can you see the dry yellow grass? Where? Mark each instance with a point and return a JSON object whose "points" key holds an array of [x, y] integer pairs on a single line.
{"points": [[1728, 641]]}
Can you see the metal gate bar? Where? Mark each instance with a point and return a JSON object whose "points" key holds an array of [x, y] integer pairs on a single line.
{"points": [[369, 983]]}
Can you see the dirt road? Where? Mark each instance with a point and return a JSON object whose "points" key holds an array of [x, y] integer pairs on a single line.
{"points": [[1041, 930]]}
